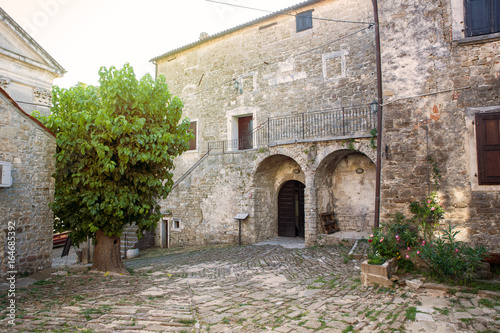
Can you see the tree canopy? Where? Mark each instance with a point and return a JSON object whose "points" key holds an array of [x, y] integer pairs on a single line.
{"points": [[116, 143]]}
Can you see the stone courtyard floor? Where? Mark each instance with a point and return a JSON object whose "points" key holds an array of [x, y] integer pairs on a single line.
{"points": [[266, 288]]}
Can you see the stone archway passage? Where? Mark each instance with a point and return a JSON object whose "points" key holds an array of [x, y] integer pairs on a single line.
{"points": [[291, 209]]}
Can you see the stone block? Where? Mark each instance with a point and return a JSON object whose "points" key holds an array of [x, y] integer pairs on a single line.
{"points": [[378, 274]]}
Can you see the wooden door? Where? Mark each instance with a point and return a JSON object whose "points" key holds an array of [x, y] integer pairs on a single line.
{"points": [[291, 209], [245, 128]]}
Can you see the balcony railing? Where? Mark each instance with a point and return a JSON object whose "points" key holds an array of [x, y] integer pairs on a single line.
{"points": [[334, 123]]}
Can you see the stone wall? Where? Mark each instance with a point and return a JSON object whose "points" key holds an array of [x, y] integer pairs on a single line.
{"points": [[30, 149], [433, 80], [267, 69]]}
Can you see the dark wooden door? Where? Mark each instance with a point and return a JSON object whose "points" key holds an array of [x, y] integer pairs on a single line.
{"points": [[291, 209], [245, 127]]}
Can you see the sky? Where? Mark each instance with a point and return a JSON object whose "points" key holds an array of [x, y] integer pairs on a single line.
{"points": [[83, 35]]}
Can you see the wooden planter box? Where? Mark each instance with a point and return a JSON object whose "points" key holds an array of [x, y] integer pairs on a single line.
{"points": [[378, 274]]}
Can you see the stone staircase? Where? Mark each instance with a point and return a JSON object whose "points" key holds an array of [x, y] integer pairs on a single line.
{"points": [[128, 239]]}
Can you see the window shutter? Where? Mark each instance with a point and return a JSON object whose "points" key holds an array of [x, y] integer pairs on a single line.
{"points": [[192, 129], [488, 148], [304, 21], [479, 16]]}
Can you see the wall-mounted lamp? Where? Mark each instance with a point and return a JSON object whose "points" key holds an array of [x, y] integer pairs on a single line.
{"points": [[296, 171], [374, 106]]}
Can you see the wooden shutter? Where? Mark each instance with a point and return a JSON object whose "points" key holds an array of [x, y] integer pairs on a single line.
{"points": [[192, 129], [304, 21], [488, 148], [482, 17]]}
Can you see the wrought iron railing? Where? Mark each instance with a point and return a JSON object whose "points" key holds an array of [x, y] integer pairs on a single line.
{"points": [[333, 123]]}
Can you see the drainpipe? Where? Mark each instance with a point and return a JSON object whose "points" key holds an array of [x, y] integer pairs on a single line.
{"points": [[376, 221]]}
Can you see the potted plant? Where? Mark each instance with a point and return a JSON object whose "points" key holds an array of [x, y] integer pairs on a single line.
{"points": [[133, 252]]}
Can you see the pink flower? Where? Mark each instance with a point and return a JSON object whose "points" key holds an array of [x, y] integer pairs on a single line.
{"points": [[370, 240], [407, 256], [428, 201], [423, 243], [456, 250], [381, 239], [433, 208], [371, 235], [418, 252], [408, 248]]}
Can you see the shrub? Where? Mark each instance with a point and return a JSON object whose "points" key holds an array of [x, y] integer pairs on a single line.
{"points": [[383, 246], [405, 229], [451, 260], [427, 214]]}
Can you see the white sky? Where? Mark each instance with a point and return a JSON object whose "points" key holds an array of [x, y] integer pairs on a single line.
{"points": [[83, 35]]}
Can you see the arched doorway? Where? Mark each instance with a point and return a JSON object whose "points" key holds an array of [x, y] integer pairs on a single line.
{"points": [[291, 215]]}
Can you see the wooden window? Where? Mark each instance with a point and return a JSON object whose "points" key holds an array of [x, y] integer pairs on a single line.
{"points": [[482, 17], [192, 142], [488, 148], [304, 21]]}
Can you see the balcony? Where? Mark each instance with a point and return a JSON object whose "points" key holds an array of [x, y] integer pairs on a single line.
{"points": [[333, 124]]}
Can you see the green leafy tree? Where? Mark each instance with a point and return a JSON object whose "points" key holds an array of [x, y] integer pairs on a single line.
{"points": [[116, 145]]}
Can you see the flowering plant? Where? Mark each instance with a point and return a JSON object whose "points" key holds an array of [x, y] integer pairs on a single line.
{"points": [[383, 246], [449, 259], [427, 214]]}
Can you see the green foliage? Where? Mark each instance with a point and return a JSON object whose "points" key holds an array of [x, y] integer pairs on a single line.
{"points": [[451, 260], [373, 133], [383, 246], [115, 149], [436, 172], [427, 214], [405, 230]]}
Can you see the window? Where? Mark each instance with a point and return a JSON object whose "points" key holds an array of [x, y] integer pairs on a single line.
{"points": [[304, 21], [193, 142], [482, 17], [176, 223], [488, 147]]}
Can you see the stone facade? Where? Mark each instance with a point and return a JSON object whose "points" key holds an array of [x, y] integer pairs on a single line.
{"points": [[26, 74], [26, 71], [29, 147], [266, 69], [435, 80]]}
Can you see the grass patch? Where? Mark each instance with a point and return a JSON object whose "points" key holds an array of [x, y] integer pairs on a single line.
{"points": [[349, 328], [411, 313], [443, 311], [187, 321]]}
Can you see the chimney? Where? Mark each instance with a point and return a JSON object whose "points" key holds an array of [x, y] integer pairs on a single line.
{"points": [[204, 35]]}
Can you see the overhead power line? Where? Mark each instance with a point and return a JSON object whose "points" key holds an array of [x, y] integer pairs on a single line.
{"points": [[286, 58], [287, 14]]}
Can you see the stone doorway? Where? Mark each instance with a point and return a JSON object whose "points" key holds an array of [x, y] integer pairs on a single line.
{"points": [[291, 217]]}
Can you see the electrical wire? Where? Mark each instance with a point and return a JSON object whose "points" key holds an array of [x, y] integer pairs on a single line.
{"points": [[287, 14], [285, 58]]}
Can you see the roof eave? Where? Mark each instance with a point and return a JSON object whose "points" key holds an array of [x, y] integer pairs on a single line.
{"points": [[231, 30]]}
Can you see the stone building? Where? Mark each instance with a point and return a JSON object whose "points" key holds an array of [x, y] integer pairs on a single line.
{"points": [[26, 150], [280, 109], [441, 80]]}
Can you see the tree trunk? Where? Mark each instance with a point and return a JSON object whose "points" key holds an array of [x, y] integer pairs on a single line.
{"points": [[107, 254]]}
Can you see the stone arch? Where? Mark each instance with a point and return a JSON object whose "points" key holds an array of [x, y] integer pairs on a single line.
{"points": [[345, 183], [271, 173]]}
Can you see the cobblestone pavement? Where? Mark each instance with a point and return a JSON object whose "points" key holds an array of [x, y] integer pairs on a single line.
{"points": [[264, 288]]}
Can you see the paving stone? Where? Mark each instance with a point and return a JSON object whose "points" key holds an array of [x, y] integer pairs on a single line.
{"points": [[238, 289]]}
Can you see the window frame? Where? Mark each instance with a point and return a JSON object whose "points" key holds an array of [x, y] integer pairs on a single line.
{"points": [[482, 147], [195, 140], [471, 145]]}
